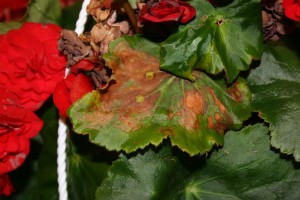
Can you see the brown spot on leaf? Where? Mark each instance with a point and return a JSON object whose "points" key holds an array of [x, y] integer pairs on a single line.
{"points": [[194, 101], [170, 115], [95, 124], [168, 131], [178, 114], [194, 104], [128, 123], [220, 22], [218, 117], [203, 18], [217, 101], [235, 92], [134, 94], [222, 119], [217, 125], [210, 122]]}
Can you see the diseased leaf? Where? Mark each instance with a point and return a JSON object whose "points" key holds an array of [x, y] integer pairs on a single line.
{"points": [[225, 38], [245, 169], [146, 105], [44, 11], [275, 85]]}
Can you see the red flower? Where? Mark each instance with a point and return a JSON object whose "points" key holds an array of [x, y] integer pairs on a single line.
{"points": [[292, 9], [16, 4], [31, 64], [166, 11], [6, 186], [84, 65], [69, 90], [65, 3], [11, 10], [17, 126]]}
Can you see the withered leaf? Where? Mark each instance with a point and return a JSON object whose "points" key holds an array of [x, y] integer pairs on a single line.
{"points": [[146, 105]]}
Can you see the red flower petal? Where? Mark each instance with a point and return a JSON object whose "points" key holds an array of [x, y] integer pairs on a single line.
{"points": [[292, 9], [80, 87], [85, 65], [17, 4], [189, 12], [6, 186], [286, 3], [166, 11], [69, 90], [61, 98]]}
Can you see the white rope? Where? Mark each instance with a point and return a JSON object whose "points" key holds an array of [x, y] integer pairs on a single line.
{"points": [[62, 127], [82, 18], [61, 160]]}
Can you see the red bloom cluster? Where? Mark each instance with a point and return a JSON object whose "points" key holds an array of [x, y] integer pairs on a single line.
{"points": [[65, 3], [13, 10], [17, 126], [30, 67], [166, 10], [292, 9], [31, 64]]}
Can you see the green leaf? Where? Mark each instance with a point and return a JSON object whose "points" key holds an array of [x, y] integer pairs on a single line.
{"points": [[146, 105], [245, 168], [44, 11], [70, 15], [275, 86], [85, 173], [225, 38], [139, 43], [6, 26], [47, 165], [147, 176]]}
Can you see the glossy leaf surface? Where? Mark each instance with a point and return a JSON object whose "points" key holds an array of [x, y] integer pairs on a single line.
{"points": [[275, 85], [245, 168], [44, 11], [146, 105], [221, 39]]}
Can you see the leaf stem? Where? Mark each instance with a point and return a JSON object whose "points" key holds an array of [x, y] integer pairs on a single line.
{"points": [[131, 15]]}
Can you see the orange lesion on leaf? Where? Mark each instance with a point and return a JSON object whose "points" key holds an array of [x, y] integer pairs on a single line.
{"points": [[128, 123], [131, 103], [221, 107], [104, 118], [194, 104], [218, 117], [210, 122], [194, 101], [221, 120], [170, 115], [167, 131], [235, 92], [216, 123]]}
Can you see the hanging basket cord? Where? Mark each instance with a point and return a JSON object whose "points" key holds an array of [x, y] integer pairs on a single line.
{"points": [[62, 127]]}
